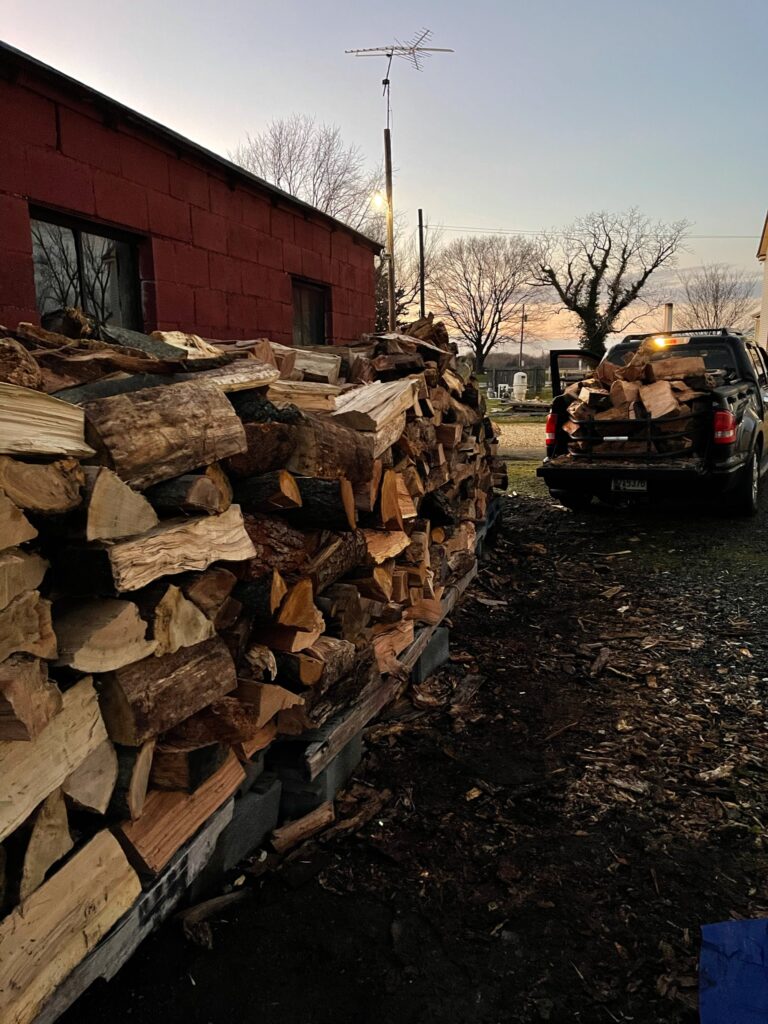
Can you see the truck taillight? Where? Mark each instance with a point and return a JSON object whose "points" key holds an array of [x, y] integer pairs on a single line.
{"points": [[550, 429], [725, 428]]}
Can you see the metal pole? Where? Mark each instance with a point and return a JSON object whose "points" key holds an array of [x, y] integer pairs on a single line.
{"points": [[667, 321], [522, 333], [422, 303], [390, 230]]}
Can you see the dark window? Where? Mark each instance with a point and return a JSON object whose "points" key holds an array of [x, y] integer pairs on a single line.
{"points": [[310, 313], [757, 363], [84, 265]]}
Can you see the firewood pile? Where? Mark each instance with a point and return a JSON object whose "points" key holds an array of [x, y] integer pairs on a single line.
{"points": [[203, 546], [654, 404]]}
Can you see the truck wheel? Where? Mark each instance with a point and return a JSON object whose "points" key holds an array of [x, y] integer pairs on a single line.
{"points": [[746, 496], [574, 500]]}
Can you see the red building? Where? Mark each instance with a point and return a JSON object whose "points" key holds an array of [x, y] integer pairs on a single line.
{"points": [[103, 208]]}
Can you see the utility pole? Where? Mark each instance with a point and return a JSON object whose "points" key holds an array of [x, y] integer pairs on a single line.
{"points": [[422, 303], [390, 231], [523, 318]]}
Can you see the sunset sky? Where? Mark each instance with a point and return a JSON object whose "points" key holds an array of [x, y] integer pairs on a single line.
{"points": [[544, 112]]}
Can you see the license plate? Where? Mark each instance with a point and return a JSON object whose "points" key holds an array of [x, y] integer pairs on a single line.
{"points": [[631, 486]]}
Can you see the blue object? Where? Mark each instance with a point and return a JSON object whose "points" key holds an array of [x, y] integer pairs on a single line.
{"points": [[733, 972]]}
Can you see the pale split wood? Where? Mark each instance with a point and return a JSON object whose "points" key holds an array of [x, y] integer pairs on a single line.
{"points": [[43, 940], [384, 544], [178, 622], [370, 407], [47, 842], [114, 510], [28, 701], [267, 699], [298, 608], [52, 487], [30, 771], [307, 395], [32, 423], [133, 770], [91, 784], [15, 528], [101, 634], [25, 627], [19, 571], [180, 545]]}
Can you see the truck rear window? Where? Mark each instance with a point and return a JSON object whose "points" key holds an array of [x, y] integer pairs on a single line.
{"points": [[716, 354]]}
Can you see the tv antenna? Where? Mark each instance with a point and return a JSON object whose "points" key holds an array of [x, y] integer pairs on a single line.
{"points": [[416, 51]]}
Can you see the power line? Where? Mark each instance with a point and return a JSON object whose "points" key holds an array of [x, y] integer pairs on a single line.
{"points": [[530, 231]]}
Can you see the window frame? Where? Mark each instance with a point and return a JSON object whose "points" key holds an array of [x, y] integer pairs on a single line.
{"points": [[80, 226]]}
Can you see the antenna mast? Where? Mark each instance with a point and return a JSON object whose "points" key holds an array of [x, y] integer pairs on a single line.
{"points": [[415, 52]]}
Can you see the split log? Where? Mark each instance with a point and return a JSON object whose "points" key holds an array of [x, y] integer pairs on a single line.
{"points": [[246, 750], [91, 784], [336, 559], [341, 606], [449, 434], [298, 609], [377, 585], [327, 450], [185, 767], [171, 818], [337, 658], [175, 621], [25, 627], [367, 492], [43, 940], [30, 771], [101, 635], [391, 515], [17, 366], [47, 488], [115, 510], [288, 638], [262, 597], [277, 546], [658, 399], [266, 699], [268, 447], [295, 832], [624, 392], [151, 696], [32, 423], [28, 701], [210, 590], [177, 546], [425, 609], [228, 720], [310, 396], [160, 433], [677, 368], [133, 770], [189, 493], [373, 406], [19, 571], [320, 365], [271, 492], [380, 440], [330, 503], [15, 528], [34, 848], [389, 641], [383, 544]]}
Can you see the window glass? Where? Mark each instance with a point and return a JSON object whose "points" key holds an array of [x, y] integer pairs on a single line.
{"points": [[757, 363], [77, 265], [310, 307]]}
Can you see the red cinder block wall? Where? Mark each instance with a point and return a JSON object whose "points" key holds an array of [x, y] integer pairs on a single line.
{"points": [[217, 252]]}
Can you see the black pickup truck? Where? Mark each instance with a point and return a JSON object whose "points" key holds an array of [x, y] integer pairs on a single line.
{"points": [[718, 449]]}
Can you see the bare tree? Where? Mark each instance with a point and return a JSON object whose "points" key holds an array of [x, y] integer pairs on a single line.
{"points": [[407, 270], [599, 266], [716, 295], [312, 162], [479, 283]]}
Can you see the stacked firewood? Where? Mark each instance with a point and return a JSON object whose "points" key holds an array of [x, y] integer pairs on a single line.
{"points": [[652, 401], [203, 546]]}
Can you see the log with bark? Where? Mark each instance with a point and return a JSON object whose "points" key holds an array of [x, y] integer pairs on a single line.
{"points": [[161, 433], [268, 447], [132, 779], [277, 546], [186, 766], [50, 488], [326, 450], [262, 596], [190, 493], [336, 558], [277, 491], [326, 503], [151, 696]]}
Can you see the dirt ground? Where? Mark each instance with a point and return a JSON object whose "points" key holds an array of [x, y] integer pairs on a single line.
{"points": [[521, 438], [571, 797]]}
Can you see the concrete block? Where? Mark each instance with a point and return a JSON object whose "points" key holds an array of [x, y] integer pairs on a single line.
{"points": [[300, 796], [435, 654]]}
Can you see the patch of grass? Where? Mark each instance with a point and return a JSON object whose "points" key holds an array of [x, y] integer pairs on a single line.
{"points": [[523, 479]]}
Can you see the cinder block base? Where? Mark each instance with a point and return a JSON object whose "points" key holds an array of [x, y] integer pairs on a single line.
{"points": [[255, 815], [435, 654], [300, 796]]}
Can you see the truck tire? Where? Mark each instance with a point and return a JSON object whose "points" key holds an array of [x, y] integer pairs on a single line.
{"points": [[576, 501], [745, 500]]}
